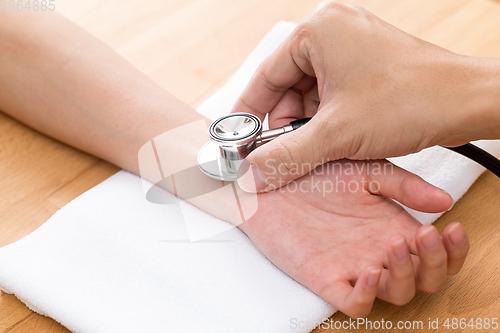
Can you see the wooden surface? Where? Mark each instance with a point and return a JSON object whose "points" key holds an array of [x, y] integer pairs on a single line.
{"points": [[191, 47]]}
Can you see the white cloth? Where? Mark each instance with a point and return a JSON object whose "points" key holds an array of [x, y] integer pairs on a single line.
{"points": [[104, 263]]}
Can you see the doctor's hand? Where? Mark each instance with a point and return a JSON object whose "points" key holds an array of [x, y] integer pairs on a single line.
{"points": [[373, 92], [340, 235]]}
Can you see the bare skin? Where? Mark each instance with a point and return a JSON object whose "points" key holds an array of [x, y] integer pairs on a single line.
{"points": [[373, 91], [74, 88], [326, 240]]}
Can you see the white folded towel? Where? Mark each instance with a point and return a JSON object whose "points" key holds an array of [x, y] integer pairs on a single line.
{"points": [[103, 262]]}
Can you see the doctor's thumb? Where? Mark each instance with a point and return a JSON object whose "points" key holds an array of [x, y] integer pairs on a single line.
{"points": [[282, 160]]}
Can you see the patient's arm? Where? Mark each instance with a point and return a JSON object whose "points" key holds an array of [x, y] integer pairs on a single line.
{"points": [[60, 80]]}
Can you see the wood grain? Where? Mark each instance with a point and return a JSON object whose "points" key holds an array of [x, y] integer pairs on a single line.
{"points": [[191, 47]]}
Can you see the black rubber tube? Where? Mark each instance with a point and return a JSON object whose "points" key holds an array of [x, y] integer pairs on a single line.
{"points": [[480, 156], [299, 123]]}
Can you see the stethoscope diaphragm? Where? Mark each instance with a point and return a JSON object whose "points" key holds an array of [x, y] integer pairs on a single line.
{"points": [[232, 138]]}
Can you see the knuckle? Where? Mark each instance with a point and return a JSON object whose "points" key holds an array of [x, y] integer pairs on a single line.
{"points": [[400, 301], [303, 29], [452, 270], [458, 254], [358, 310], [403, 274], [433, 286], [262, 75], [403, 299], [332, 6], [437, 261], [462, 252], [331, 12], [361, 305], [329, 9], [356, 7], [466, 248], [302, 35]]}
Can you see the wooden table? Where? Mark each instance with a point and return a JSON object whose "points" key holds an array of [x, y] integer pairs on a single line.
{"points": [[191, 47]]}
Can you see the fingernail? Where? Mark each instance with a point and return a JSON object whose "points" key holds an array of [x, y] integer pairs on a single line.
{"points": [[400, 249], [253, 180], [452, 201], [430, 238], [457, 235], [373, 277]]}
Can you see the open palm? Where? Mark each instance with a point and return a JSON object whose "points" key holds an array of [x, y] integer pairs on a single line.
{"points": [[350, 233]]}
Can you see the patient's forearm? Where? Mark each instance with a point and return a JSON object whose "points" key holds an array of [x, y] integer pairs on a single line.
{"points": [[58, 79]]}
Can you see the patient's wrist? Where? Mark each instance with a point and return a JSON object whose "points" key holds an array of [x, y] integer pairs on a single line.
{"points": [[170, 161]]}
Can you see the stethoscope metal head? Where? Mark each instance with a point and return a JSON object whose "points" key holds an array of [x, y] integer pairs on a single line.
{"points": [[232, 138], [235, 134]]}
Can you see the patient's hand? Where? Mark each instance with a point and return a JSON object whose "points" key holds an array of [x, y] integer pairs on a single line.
{"points": [[345, 236]]}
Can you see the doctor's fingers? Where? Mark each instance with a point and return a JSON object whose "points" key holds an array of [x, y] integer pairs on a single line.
{"points": [[288, 66], [406, 188], [295, 104]]}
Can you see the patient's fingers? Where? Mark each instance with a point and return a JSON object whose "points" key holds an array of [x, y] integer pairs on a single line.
{"points": [[409, 189], [355, 302], [397, 284], [432, 270], [456, 242]]}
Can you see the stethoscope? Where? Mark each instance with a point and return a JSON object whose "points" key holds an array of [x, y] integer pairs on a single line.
{"points": [[234, 136]]}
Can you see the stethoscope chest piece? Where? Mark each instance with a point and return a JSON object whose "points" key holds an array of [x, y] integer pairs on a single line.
{"points": [[232, 138]]}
